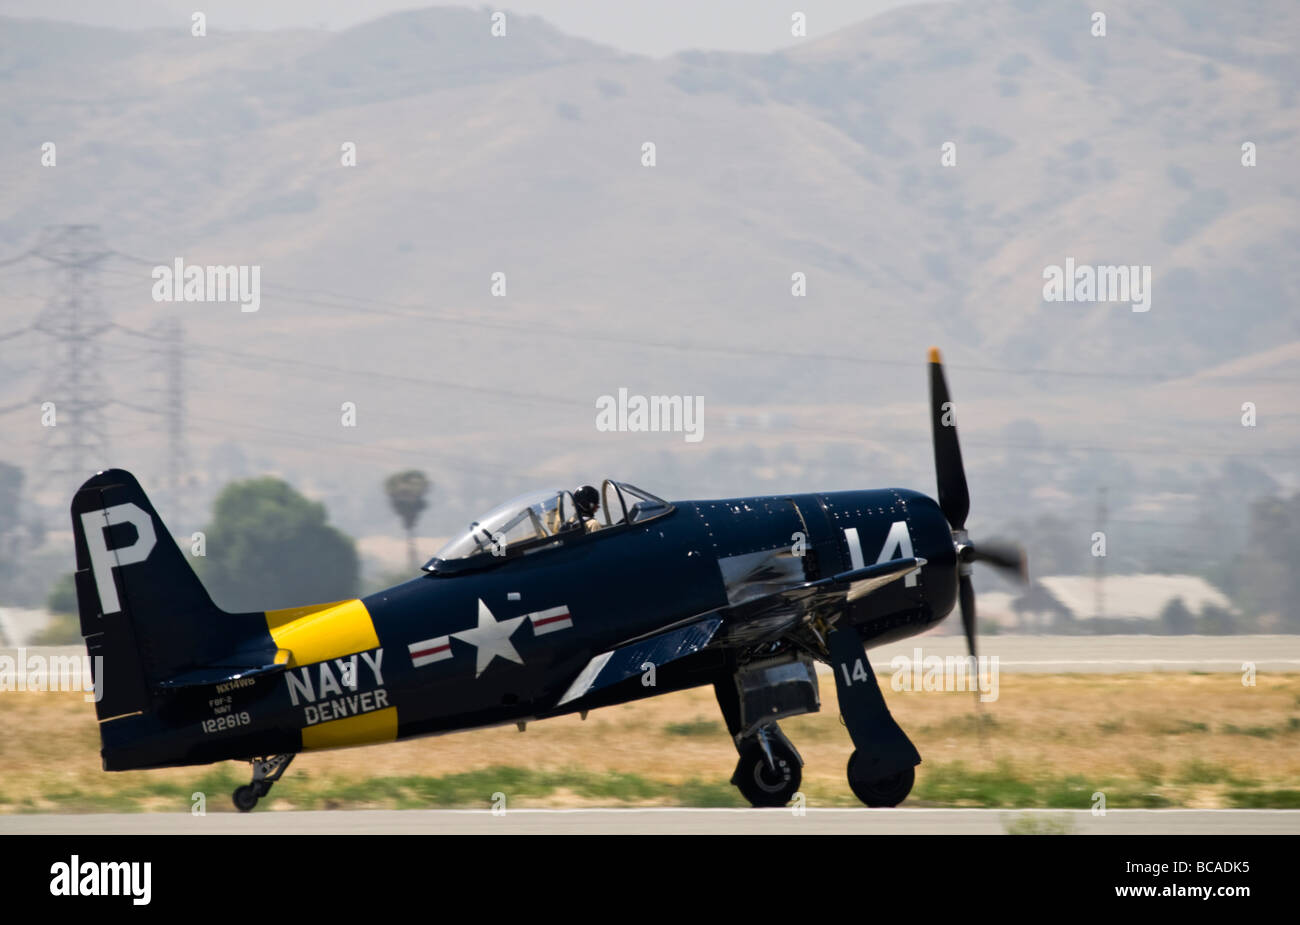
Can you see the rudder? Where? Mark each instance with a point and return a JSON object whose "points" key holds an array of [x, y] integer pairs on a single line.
{"points": [[142, 607]]}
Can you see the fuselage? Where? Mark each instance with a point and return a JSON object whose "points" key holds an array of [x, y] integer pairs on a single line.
{"points": [[502, 642]]}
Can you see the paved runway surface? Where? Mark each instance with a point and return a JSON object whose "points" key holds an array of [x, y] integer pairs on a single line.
{"points": [[670, 822]]}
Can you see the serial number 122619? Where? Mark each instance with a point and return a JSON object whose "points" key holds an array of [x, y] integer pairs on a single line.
{"points": [[226, 722]]}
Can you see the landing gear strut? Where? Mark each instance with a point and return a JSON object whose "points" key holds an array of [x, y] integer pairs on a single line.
{"points": [[882, 768], [769, 770], [266, 771]]}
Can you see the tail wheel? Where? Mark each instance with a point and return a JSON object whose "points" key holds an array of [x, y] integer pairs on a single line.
{"points": [[266, 771], [880, 791], [245, 798], [765, 786]]}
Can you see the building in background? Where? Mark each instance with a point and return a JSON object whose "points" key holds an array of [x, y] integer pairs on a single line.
{"points": [[1132, 603]]}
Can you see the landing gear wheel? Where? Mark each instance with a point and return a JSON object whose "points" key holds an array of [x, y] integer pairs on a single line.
{"points": [[762, 785], [266, 771], [245, 798], [882, 791]]}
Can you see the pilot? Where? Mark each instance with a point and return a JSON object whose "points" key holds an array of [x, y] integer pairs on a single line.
{"points": [[587, 500]]}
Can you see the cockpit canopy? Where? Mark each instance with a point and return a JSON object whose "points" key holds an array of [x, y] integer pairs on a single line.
{"points": [[538, 516]]}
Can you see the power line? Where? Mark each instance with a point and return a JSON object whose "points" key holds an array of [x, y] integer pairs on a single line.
{"points": [[175, 352], [17, 258], [1053, 447], [339, 301], [310, 371], [281, 362], [246, 357], [315, 445]]}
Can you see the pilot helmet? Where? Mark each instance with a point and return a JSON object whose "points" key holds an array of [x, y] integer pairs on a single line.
{"points": [[587, 500]]}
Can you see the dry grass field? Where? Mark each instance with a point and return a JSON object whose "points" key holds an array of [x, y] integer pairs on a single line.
{"points": [[1145, 740]]}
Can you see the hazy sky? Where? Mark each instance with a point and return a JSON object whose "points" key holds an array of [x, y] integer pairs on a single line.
{"points": [[649, 27]]}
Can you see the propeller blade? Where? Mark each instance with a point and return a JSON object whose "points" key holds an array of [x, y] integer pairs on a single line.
{"points": [[1006, 556], [954, 498], [966, 593]]}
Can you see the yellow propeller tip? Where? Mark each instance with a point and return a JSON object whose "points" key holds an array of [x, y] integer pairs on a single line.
{"points": [[934, 355]]}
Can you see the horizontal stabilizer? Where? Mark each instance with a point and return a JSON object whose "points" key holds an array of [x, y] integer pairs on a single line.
{"points": [[631, 660], [220, 674]]}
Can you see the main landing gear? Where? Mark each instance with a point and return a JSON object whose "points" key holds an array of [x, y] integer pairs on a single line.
{"points": [[266, 771], [770, 770], [882, 769]]}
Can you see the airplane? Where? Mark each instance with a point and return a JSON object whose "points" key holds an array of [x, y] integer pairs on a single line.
{"points": [[555, 603]]}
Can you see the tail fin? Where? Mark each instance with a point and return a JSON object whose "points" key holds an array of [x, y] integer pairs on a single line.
{"points": [[142, 607]]}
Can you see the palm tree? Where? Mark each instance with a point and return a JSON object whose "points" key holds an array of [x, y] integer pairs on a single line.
{"points": [[406, 491]]}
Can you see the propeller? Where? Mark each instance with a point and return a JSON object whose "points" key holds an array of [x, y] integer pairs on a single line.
{"points": [[954, 501]]}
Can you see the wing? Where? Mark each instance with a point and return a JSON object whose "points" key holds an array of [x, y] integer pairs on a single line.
{"points": [[772, 615], [630, 659], [768, 616]]}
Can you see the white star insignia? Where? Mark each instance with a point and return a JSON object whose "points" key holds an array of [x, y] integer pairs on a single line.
{"points": [[492, 638]]}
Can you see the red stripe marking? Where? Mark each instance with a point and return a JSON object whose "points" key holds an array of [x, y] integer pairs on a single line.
{"points": [[563, 616], [424, 652]]}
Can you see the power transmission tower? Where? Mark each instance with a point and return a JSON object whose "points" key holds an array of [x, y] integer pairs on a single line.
{"points": [[178, 461], [77, 443]]}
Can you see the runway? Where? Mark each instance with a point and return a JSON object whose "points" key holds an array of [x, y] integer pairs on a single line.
{"points": [[670, 822]]}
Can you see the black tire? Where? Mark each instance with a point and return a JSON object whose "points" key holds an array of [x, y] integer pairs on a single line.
{"points": [[245, 798], [758, 784], [882, 791]]}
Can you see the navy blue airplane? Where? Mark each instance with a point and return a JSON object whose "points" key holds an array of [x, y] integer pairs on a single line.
{"points": [[556, 602]]}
